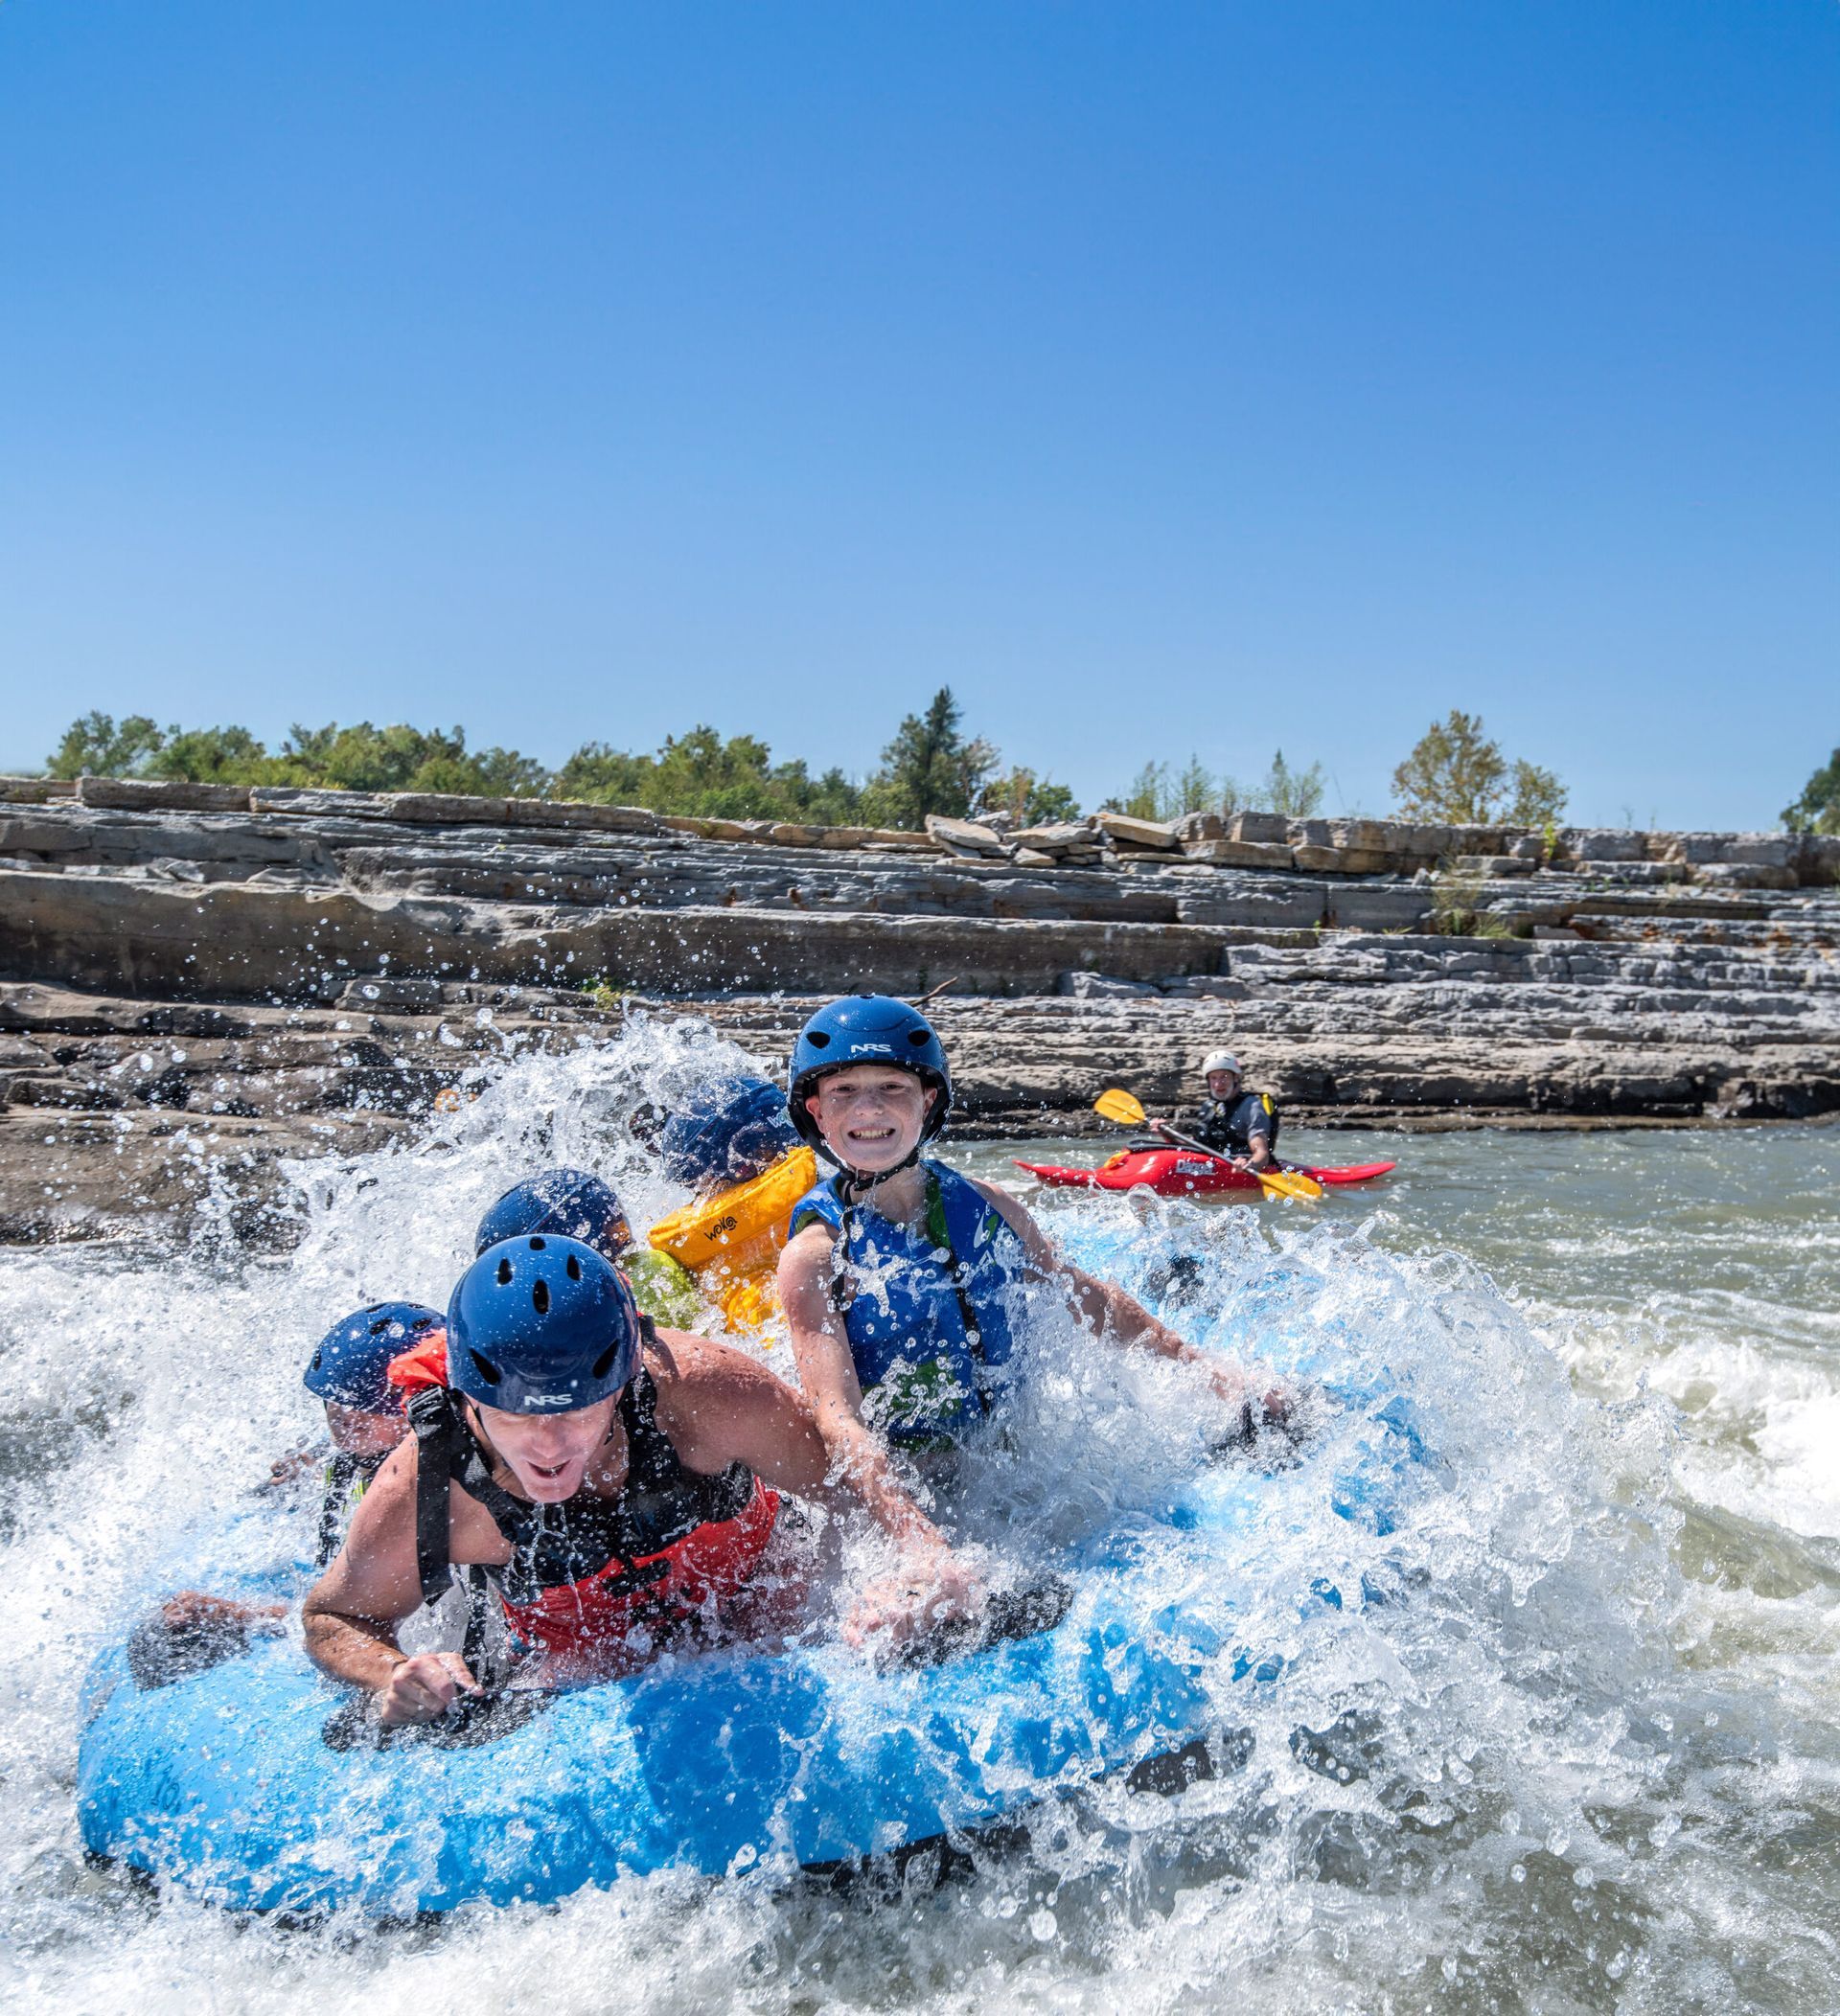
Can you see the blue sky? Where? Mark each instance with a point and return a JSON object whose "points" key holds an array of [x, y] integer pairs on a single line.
{"points": [[1166, 379]]}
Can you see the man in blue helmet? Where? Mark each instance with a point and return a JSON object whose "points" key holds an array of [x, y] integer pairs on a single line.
{"points": [[726, 1133], [349, 1375], [574, 1203], [621, 1482], [896, 1283], [733, 1146], [577, 1204]]}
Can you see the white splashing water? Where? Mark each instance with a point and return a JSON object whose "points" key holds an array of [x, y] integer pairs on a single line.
{"points": [[1583, 1759]]}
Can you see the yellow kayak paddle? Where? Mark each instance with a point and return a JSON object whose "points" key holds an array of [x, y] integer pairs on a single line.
{"points": [[1119, 1106]]}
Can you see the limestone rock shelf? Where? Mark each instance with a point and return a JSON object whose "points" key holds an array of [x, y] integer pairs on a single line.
{"points": [[195, 987]]}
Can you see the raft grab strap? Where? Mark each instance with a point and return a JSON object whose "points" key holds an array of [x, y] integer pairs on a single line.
{"points": [[472, 1722], [1010, 1613]]}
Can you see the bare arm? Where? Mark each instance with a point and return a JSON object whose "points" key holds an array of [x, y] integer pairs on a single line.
{"points": [[1116, 1318], [721, 1406], [353, 1611]]}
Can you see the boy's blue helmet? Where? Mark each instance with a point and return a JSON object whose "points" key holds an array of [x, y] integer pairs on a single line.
{"points": [[726, 1133], [866, 1028], [351, 1363], [542, 1325], [568, 1202]]}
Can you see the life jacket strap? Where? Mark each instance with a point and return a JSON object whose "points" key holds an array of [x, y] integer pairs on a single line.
{"points": [[342, 1474], [957, 1270], [433, 1418]]}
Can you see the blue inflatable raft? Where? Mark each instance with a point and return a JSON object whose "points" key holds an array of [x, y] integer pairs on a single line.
{"points": [[242, 1782]]}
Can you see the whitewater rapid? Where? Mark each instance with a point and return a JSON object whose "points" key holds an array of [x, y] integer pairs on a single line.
{"points": [[1584, 1758]]}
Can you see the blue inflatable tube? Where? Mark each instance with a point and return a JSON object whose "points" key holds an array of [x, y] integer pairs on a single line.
{"points": [[240, 1783]]}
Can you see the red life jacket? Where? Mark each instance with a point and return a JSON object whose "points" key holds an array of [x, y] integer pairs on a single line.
{"points": [[592, 1572]]}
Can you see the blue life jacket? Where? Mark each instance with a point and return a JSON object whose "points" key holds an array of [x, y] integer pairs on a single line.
{"points": [[925, 1309]]}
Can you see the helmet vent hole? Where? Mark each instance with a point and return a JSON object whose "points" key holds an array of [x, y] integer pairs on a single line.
{"points": [[539, 1297], [487, 1370], [919, 1037], [573, 1267], [536, 1244], [604, 1364], [504, 1273], [819, 1038]]}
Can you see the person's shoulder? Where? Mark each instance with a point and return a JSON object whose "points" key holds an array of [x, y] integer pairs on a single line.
{"points": [[680, 1361], [1010, 1209], [391, 1488], [808, 1248], [703, 1387]]}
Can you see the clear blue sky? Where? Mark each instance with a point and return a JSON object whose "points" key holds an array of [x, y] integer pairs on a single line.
{"points": [[1164, 377]]}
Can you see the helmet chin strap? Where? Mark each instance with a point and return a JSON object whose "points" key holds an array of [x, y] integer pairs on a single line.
{"points": [[860, 1182]]}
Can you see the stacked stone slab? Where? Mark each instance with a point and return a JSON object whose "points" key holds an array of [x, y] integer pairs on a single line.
{"points": [[321, 960]]}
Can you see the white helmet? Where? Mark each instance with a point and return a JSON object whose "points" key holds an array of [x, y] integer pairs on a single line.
{"points": [[1221, 1060]]}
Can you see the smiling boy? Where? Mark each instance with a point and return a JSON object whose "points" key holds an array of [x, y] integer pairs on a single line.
{"points": [[897, 1284]]}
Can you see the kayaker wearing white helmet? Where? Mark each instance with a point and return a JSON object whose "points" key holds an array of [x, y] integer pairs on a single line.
{"points": [[1241, 1126]]}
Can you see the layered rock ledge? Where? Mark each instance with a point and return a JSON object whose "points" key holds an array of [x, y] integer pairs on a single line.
{"points": [[197, 982]]}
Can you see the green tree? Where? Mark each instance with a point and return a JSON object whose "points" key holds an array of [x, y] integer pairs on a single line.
{"points": [[1158, 792], [702, 775], [830, 799], [1028, 799], [1457, 776], [360, 757], [1194, 789], [1147, 794], [1539, 797], [1297, 794], [1818, 808], [95, 747], [227, 755], [929, 767], [603, 775]]}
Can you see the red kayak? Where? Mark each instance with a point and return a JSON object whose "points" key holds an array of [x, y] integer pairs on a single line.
{"points": [[1175, 1172]]}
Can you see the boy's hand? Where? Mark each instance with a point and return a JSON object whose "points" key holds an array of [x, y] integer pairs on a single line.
{"points": [[927, 1590], [1278, 1407]]}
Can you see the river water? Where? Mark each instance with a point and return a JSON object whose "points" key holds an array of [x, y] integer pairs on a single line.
{"points": [[1592, 1761]]}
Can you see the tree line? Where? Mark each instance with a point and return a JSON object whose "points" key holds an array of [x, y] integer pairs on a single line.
{"points": [[930, 765], [1456, 774]]}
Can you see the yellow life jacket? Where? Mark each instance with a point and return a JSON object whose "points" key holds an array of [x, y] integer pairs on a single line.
{"points": [[731, 1241]]}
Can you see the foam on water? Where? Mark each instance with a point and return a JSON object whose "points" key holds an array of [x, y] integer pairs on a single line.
{"points": [[1581, 1756]]}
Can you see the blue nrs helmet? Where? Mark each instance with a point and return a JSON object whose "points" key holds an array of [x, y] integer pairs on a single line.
{"points": [[726, 1133], [351, 1363], [542, 1325], [567, 1201], [866, 1028]]}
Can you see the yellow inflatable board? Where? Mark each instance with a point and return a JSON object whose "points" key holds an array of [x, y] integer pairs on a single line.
{"points": [[731, 1241]]}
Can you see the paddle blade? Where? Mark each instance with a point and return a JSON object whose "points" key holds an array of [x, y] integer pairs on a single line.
{"points": [[1289, 1182], [1120, 1107]]}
